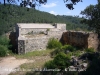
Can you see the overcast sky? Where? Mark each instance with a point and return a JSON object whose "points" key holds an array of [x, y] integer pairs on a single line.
{"points": [[57, 7]]}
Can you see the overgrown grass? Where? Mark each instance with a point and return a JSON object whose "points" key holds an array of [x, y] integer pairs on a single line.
{"points": [[37, 63], [37, 59], [29, 55], [89, 50]]}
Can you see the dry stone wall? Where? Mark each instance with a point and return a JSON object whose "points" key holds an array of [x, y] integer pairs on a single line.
{"points": [[32, 31], [33, 42], [93, 41], [81, 39], [36, 44], [21, 46]]}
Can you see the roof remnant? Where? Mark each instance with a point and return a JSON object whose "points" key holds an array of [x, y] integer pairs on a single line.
{"points": [[35, 25]]}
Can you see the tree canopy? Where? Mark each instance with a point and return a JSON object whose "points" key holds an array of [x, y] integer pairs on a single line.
{"points": [[33, 3], [92, 17], [12, 14]]}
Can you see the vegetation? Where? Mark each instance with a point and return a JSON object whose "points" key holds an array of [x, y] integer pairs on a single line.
{"points": [[53, 43], [94, 66], [92, 17], [33, 3], [3, 51], [61, 61], [30, 55], [12, 14], [68, 48], [90, 50], [4, 46]]}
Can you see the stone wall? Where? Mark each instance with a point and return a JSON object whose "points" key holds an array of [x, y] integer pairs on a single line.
{"points": [[21, 46], [36, 44], [80, 39], [32, 31], [29, 39], [93, 41], [55, 34], [60, 26]]}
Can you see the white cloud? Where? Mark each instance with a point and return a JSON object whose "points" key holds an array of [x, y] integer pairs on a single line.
{"points": [[68, 12], [49, 5], [53, 12]]}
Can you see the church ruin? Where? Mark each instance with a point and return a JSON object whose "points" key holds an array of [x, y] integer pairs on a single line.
{"points": [[35, 36]]}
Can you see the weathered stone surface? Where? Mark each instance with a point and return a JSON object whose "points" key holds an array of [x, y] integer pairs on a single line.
{"points": [[30, 39], [81, 39], [36, 38]]}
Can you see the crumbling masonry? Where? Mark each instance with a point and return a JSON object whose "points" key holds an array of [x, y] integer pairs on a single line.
{"points": [[35, 36]]}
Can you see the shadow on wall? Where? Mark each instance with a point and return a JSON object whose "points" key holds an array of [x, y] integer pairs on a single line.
{"points": [[77, 39], [13, 41]]}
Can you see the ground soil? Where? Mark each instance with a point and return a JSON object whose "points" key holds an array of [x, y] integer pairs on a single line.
{"points": [[10, 64]]}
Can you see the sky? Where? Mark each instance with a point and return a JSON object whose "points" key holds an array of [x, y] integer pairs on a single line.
{"points": [[57, 7]]}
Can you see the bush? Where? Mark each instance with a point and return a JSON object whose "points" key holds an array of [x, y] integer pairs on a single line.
{"points": [[63, 49], [50, 65], [4, 46], [68, 47], [61, 61], [53, 43], [3, 51], [90, 50], [5, 41]]}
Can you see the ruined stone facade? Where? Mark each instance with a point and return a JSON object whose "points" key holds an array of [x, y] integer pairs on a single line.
{"points": [[35, 36], [32, 36], [81, 39]]}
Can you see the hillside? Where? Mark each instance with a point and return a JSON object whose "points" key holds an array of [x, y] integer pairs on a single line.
{"points": [[12, 14]]}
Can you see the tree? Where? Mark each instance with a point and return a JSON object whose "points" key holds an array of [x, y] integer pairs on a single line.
{"points": [[33, 3], [92, 17]]}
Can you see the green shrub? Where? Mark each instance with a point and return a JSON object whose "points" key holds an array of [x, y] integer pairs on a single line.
{"points": [[63, 49], [61, 61], [5, 41], [56, 51], [90, 50], [50, 65], [4, 46], [53, 43], [68, 47], [3, 51]]}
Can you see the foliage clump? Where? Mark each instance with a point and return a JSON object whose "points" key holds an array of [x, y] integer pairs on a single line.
{"points": [[4, 46], [69, 48], [65, 49], [61, 61], [53, 43], [3, 51], [90, 50]]}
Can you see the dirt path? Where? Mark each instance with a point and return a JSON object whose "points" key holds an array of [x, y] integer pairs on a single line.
{"points": [[11, 64], [8, 64]]}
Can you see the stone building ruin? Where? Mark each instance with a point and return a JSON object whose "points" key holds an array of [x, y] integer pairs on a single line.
{"points": [[35, 36]]}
